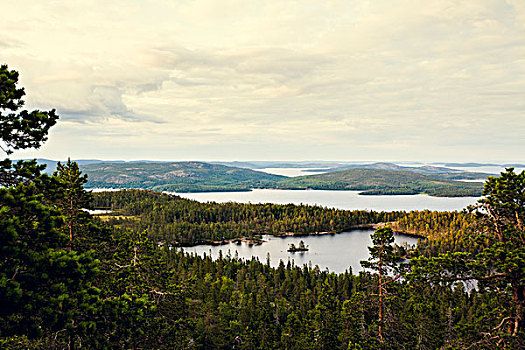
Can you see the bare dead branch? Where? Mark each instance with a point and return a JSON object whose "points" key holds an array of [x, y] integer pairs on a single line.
{"points": [[122, 266], [393, 280], [157, 292], [502, 323], [14, 275]]}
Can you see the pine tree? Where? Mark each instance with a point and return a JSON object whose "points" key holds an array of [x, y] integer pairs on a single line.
{"points": [[23, 129], [384, 260], [44, 288], [499, 267]]}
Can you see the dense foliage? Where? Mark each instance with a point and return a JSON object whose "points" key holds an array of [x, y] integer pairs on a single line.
{"points": [[444, 231], [499, 263], [173, 219]]}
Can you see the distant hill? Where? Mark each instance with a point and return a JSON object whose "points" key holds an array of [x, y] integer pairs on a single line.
{"points": [[372, 179], [282, 164], [176, 176], [434, 171], [470, 165], [237, 164], [51, 165], [206, 177], [383, 182], [475, 165]]}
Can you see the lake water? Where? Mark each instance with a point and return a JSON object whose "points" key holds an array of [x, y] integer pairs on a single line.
{"points": [[349, 200], [336, 253]]}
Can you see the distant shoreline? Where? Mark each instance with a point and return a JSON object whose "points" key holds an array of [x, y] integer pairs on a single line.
{"points": [[361, 192]]}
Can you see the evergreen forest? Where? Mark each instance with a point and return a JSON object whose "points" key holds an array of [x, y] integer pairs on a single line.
{"points": [[71, 280]]}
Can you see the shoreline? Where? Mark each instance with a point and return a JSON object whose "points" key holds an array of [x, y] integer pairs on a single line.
{"points": [[361, 192], [249, 241]]}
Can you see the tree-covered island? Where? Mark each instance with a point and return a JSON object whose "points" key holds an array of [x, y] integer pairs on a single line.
{"points": [[300, 248]]}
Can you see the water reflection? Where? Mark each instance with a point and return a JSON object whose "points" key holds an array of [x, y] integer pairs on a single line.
{"points": [[337, 252]]}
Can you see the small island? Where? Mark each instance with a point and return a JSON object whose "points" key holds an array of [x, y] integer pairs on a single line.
{"points": [[301, 248]]}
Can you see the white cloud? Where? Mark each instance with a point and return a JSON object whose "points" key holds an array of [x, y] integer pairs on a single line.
{"points": [[433, 80]]}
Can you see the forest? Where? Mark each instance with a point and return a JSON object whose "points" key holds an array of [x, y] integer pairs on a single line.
{"points": [[178, 221], [69, 280]]}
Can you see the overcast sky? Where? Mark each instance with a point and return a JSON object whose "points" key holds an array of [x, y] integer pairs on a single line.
{"points": [[432, 80]]}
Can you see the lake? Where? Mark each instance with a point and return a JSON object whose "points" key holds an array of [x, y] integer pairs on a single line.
{"points": [[349, 200], [335, 252]]}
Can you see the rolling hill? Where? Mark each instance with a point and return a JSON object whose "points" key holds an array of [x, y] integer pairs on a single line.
{"points": [[434, 171], [176, 176], [383, 182], [207, 177]]}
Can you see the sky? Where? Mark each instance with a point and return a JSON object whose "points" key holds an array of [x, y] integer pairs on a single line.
{"points": [[380, 80]]}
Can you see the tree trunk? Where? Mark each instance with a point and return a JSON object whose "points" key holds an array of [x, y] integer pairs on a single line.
{"points": [[380, 298], [518, 297], [70, 224]]}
